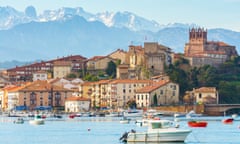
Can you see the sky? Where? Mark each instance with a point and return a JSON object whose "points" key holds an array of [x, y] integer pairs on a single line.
{"points": [[205, 13]]}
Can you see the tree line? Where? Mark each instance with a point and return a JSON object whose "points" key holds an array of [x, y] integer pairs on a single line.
{"points": [[225, 77]]}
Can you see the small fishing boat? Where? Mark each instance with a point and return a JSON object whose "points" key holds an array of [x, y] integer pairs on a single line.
{"points": [[125, 120], [19, 121], [228, 121], [38, 120], [158, 131], [197, 123]]}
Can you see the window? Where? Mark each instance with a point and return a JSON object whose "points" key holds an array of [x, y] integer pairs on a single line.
{"points": [[161, 91], [173, 94], [200, 95]]}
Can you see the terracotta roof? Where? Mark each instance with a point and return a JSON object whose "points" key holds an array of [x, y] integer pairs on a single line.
{"points": [[62, 63], [153, 87], [96, 58], [130, 81], [44, 63], [43, 86], [118, 50], [205, 89], [77, 99]]}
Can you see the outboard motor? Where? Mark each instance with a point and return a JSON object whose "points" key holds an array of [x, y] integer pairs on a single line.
{"points": [[123, 138]]}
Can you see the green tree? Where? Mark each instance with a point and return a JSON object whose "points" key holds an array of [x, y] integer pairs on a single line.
{"points": [[72, 75], [111, 69], [155, 100], [132, 104], [90, 77]]}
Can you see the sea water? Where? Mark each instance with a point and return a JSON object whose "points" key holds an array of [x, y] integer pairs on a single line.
{"points": [[102, 130]]}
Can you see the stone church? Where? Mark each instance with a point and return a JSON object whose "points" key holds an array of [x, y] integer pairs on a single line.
{"points": [[201, 52]]}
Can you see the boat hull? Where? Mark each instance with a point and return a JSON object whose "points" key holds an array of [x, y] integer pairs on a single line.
{"points": [[228, 121], [124, 121], [37, 122], [197, 124], [167, 136]]}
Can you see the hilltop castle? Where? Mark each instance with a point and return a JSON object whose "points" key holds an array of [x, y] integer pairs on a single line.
{"points": [[200, 52]]}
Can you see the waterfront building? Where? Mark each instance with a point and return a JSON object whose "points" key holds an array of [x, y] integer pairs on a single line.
{"points": [[98, 92], [204, 95], [123, 91], [43, 93], [77, 104], [163, 92]]}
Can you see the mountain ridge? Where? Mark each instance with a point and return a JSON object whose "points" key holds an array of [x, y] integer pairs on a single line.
{"points": [[70, 31]]}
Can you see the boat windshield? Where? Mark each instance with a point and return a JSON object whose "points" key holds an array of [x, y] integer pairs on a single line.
{"points": [[158, 125]]}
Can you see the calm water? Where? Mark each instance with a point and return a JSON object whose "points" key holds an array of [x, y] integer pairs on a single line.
{"points": [[104, 131]]}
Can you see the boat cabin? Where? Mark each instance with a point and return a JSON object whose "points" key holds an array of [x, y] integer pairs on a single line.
{"points": [[160, 124]]}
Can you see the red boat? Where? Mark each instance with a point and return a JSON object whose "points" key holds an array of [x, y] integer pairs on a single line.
{"points": [[228, 121], [197, 123]]}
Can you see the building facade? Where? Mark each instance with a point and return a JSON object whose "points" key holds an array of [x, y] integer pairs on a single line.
{"points": [[25, 73], [201, 52], [77, 104], [159, 93], [42, 93]]}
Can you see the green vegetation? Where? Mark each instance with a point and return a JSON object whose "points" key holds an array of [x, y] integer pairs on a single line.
{"points": [[111, 69], [226, 78]]}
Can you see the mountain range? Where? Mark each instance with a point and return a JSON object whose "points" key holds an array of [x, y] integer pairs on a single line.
{"points": [[27, 36]]}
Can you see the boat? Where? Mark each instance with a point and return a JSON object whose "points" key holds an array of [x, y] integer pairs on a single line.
{"points": [[133, 113], [125, 120], [38, 120], [158, 131], [191, 114], [113, 114], [197, 123], [144, 122], [19, 121], [234, 116], [228, 120]]}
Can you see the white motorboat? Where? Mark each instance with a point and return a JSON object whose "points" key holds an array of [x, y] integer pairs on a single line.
{"points": [[191, 114], [38, 120], [142, 122], [133, 113], [19, 121], [125, 120], [158, 131], [113, 114]]}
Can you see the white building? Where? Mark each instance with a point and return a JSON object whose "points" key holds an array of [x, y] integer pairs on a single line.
{"points": [[40, 75], [206, 95], [77, 104], [159, 93], [124, 90]]}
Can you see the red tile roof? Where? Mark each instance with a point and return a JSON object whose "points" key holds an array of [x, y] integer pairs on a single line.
{"points": [[153, 87], [74, 98]]}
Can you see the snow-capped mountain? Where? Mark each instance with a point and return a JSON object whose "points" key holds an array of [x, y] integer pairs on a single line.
{"points": [[68, 31], [64, 14], [11, 17]]}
